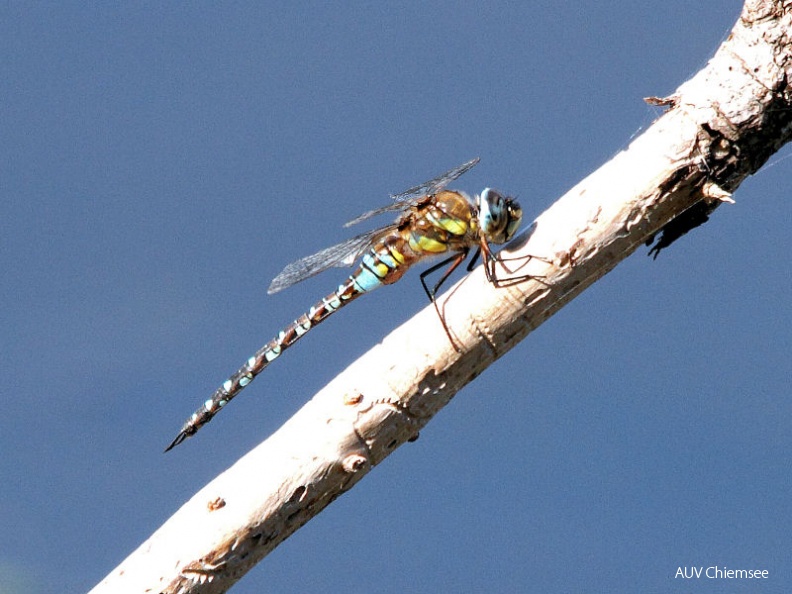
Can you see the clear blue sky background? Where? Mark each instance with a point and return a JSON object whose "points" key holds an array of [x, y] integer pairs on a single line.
{"points": [[161, 164]]}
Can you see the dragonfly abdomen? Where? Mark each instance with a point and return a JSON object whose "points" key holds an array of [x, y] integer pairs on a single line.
{"points": [[320, 311], [384, 264]]}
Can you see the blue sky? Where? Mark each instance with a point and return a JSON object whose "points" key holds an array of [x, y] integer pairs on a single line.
{"points": [[162, 163]]}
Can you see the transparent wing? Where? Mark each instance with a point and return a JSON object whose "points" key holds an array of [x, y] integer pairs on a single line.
{"points": [[406, 199], [342, 254], [435, 185]]}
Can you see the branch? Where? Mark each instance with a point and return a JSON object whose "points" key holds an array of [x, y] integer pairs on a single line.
{"points": [[721, 126]]}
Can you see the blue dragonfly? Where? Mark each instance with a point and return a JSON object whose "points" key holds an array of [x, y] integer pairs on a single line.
{"points": [[432, 221]]}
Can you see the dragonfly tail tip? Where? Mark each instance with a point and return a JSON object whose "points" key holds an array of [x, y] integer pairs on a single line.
{"points": [[179, 438]]}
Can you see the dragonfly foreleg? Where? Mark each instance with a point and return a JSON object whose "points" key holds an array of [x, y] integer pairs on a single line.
{"points": [[491, 260]]}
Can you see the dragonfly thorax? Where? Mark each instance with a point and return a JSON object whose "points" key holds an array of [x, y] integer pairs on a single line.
{"points": [[498, 216]]}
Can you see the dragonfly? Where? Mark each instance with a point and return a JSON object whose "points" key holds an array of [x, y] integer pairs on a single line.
{"points": [[431, 221]]}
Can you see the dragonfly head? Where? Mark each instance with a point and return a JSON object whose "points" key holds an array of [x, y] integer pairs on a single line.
{"points": [[498, 216]]}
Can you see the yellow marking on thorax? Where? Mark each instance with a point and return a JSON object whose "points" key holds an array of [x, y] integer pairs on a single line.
{"points": [[453, 226], [423, 243]]}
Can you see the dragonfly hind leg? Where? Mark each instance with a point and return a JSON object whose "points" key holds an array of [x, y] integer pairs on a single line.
{"points": [[454, 262]]}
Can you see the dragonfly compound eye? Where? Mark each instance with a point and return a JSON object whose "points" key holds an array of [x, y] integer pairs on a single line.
{"points": [[498, 217]]}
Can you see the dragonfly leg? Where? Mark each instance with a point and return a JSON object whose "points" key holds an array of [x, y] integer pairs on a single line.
{"points": [[472, 264], [491, 260], [454, 262]]}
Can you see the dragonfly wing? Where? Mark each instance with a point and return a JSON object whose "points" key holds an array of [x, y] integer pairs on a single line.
{"points": [[435, 185], [409, 197], [342, 254], [398, 206]]}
